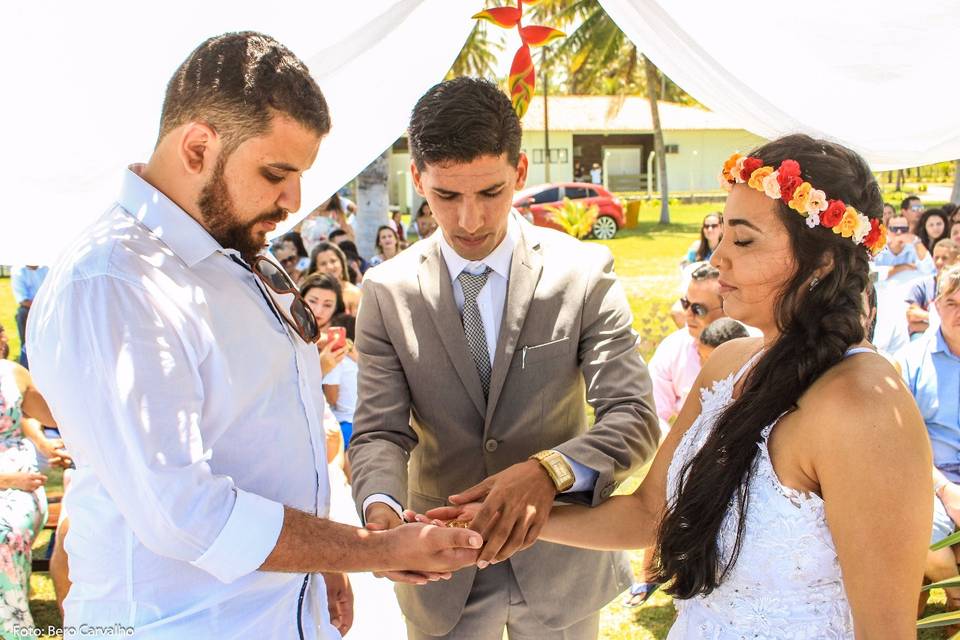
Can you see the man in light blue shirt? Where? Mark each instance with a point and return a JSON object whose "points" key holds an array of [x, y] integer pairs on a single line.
{"points": [[26, 281], [931, 370]]}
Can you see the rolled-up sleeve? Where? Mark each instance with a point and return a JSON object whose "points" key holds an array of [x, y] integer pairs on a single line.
{"points": [[142, 432]]}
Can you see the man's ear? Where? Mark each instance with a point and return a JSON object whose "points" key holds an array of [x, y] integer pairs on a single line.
{"points": [[522, 166], [417, 179], [198, 147]]}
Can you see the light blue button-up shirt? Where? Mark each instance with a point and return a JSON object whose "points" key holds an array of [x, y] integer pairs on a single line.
{"points": [[26, 282], [932, 373]]}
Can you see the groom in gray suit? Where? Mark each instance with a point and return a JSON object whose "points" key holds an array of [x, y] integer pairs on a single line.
{"points": [[478, 349]]}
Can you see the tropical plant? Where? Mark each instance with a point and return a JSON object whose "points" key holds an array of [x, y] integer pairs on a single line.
{"points": [[478, 56], [950, 617], [574, 217]]}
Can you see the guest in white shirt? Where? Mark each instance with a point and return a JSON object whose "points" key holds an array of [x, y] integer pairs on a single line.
{"points": [[199, 502], [676, 362]]}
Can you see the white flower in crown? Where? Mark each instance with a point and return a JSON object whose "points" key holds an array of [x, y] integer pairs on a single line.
{"points": [[738, 170], [724, 183], [771, 187], [817, 201], [863, 228], [813, 219]]}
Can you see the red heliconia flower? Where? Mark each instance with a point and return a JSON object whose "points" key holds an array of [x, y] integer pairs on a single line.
{"points": [[506, 17], [537, 36], [522, 80]]}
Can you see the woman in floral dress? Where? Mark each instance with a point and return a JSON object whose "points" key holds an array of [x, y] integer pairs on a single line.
{"points": [[23, 503]]}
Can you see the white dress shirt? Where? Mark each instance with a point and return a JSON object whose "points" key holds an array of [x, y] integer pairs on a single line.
{"points": [[491, 301], [194, 414]]}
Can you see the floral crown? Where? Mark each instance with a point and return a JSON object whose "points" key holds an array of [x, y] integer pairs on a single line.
{"points": [[784, 183]]}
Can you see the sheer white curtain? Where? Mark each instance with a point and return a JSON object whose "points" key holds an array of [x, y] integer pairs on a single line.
{"points": [[84, 82], [876, 75]]}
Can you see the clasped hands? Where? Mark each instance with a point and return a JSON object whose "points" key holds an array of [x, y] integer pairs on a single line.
{"points": [[508, 511]]}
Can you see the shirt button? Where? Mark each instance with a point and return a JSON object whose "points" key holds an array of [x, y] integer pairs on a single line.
{"points": [[491, 445]]}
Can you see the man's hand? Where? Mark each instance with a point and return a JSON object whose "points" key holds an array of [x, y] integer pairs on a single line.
{"points": [[339, 601], [381, 517], [24, 481], [516, 504], [431, 549], [53, 450], [460, 513]]}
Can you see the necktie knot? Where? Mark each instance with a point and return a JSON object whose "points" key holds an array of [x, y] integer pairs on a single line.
{"points": [[472, 283]]}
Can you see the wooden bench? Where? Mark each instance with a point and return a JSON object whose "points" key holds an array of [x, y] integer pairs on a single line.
{"points": [[53, 511]]}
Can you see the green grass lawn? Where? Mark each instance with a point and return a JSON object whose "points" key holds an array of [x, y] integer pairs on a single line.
{"points": [[647, 263]]}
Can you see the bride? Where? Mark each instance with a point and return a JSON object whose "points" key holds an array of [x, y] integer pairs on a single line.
{"points": [[792, 498]]}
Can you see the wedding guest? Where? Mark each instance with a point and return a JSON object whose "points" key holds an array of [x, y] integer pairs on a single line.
{"points": [[23, 502], [931, 370], [355, 262], [322, 293], [424, 221], [25, 282], [388, 245], [904, 251], [676, 362], [912, 209], [327, 257], [923, 292], [718, 332], [757, 500], [199, 508], [467, 389], [711, 230], [889, 211], [934, 225], [330, 216], [950, 210], [340, 384], [955, 233], [396, 223]]}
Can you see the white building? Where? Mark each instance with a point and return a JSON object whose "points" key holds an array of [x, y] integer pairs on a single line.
{"points": [[616, 133]]}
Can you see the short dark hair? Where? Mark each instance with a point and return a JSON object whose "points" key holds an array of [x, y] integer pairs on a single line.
{"points": [[906, 202], [462, 119], [336, 233], [346, 321], [235, 82], [704, 271], [722, 330]]}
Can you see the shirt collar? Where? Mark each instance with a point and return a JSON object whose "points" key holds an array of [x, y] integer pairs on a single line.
{"points": [[498, 260], [940, 345], [175, 227]]}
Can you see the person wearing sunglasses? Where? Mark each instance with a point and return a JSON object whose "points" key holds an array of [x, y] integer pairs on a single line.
{"points": [[912, 209], [183, 359], [711, 231], [904, 251]]}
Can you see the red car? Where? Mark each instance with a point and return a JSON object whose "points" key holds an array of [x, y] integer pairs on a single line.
{"points": [[610, 218]]}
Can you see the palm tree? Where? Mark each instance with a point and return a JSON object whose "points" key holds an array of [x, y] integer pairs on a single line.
{"points": [[601, 59], [478, 56]]}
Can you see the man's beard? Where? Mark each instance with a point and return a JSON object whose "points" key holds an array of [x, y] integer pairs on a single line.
{"points": [[221, 222]]}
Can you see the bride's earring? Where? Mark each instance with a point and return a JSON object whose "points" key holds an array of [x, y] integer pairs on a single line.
{"points": [[814, 283]]}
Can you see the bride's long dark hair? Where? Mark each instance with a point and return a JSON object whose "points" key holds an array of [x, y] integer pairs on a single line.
{"points": [[816, 327]]}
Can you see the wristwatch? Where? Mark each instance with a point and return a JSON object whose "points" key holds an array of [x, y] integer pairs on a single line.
{"points": [[557, 468]]}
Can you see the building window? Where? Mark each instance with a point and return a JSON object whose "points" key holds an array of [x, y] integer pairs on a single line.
{"points": [[671, 148], [557, 156]]}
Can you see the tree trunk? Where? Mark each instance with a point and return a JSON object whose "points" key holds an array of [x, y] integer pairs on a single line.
{"points": [[658, 146], [373, 203], [955, 194]]}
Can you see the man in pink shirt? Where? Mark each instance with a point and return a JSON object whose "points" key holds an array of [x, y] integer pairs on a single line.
{"points": [[676, 363]]}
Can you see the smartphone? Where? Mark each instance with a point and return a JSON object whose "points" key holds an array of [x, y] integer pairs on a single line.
{"points": [[336, 335]]}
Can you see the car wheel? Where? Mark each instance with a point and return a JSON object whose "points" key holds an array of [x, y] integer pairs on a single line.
{"points": [[605, 228]]}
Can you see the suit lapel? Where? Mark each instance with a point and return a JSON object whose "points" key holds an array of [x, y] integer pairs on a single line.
{"points": [[525, 269], [437, 291]]}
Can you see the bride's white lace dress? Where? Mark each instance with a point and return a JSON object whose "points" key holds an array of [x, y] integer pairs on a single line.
{"points": [[786, 583]]}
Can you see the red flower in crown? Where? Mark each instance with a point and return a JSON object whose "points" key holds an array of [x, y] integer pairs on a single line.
{"points": [[789, 168], [788, 176], [834, 214], [749, 166], [874, 234]]}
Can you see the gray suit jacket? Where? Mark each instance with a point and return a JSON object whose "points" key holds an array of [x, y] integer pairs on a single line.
{"points": [[423, 431]]}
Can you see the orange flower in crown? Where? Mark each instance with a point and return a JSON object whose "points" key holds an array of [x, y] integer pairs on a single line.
{"points": [[786, 184]]}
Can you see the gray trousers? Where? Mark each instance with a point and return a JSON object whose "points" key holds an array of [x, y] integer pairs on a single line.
{"points": [[495, 604]]}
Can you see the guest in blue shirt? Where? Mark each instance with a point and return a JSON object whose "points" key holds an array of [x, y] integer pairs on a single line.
{"points": [[931, 370], [904, 251], [26, 281]]}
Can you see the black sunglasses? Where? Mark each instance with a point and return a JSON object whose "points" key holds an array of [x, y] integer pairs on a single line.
{"points": [[899, 230], [279, 282], [697, 308]]}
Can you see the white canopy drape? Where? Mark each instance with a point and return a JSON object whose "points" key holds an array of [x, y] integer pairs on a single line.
{"points": [[84, 83]]}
